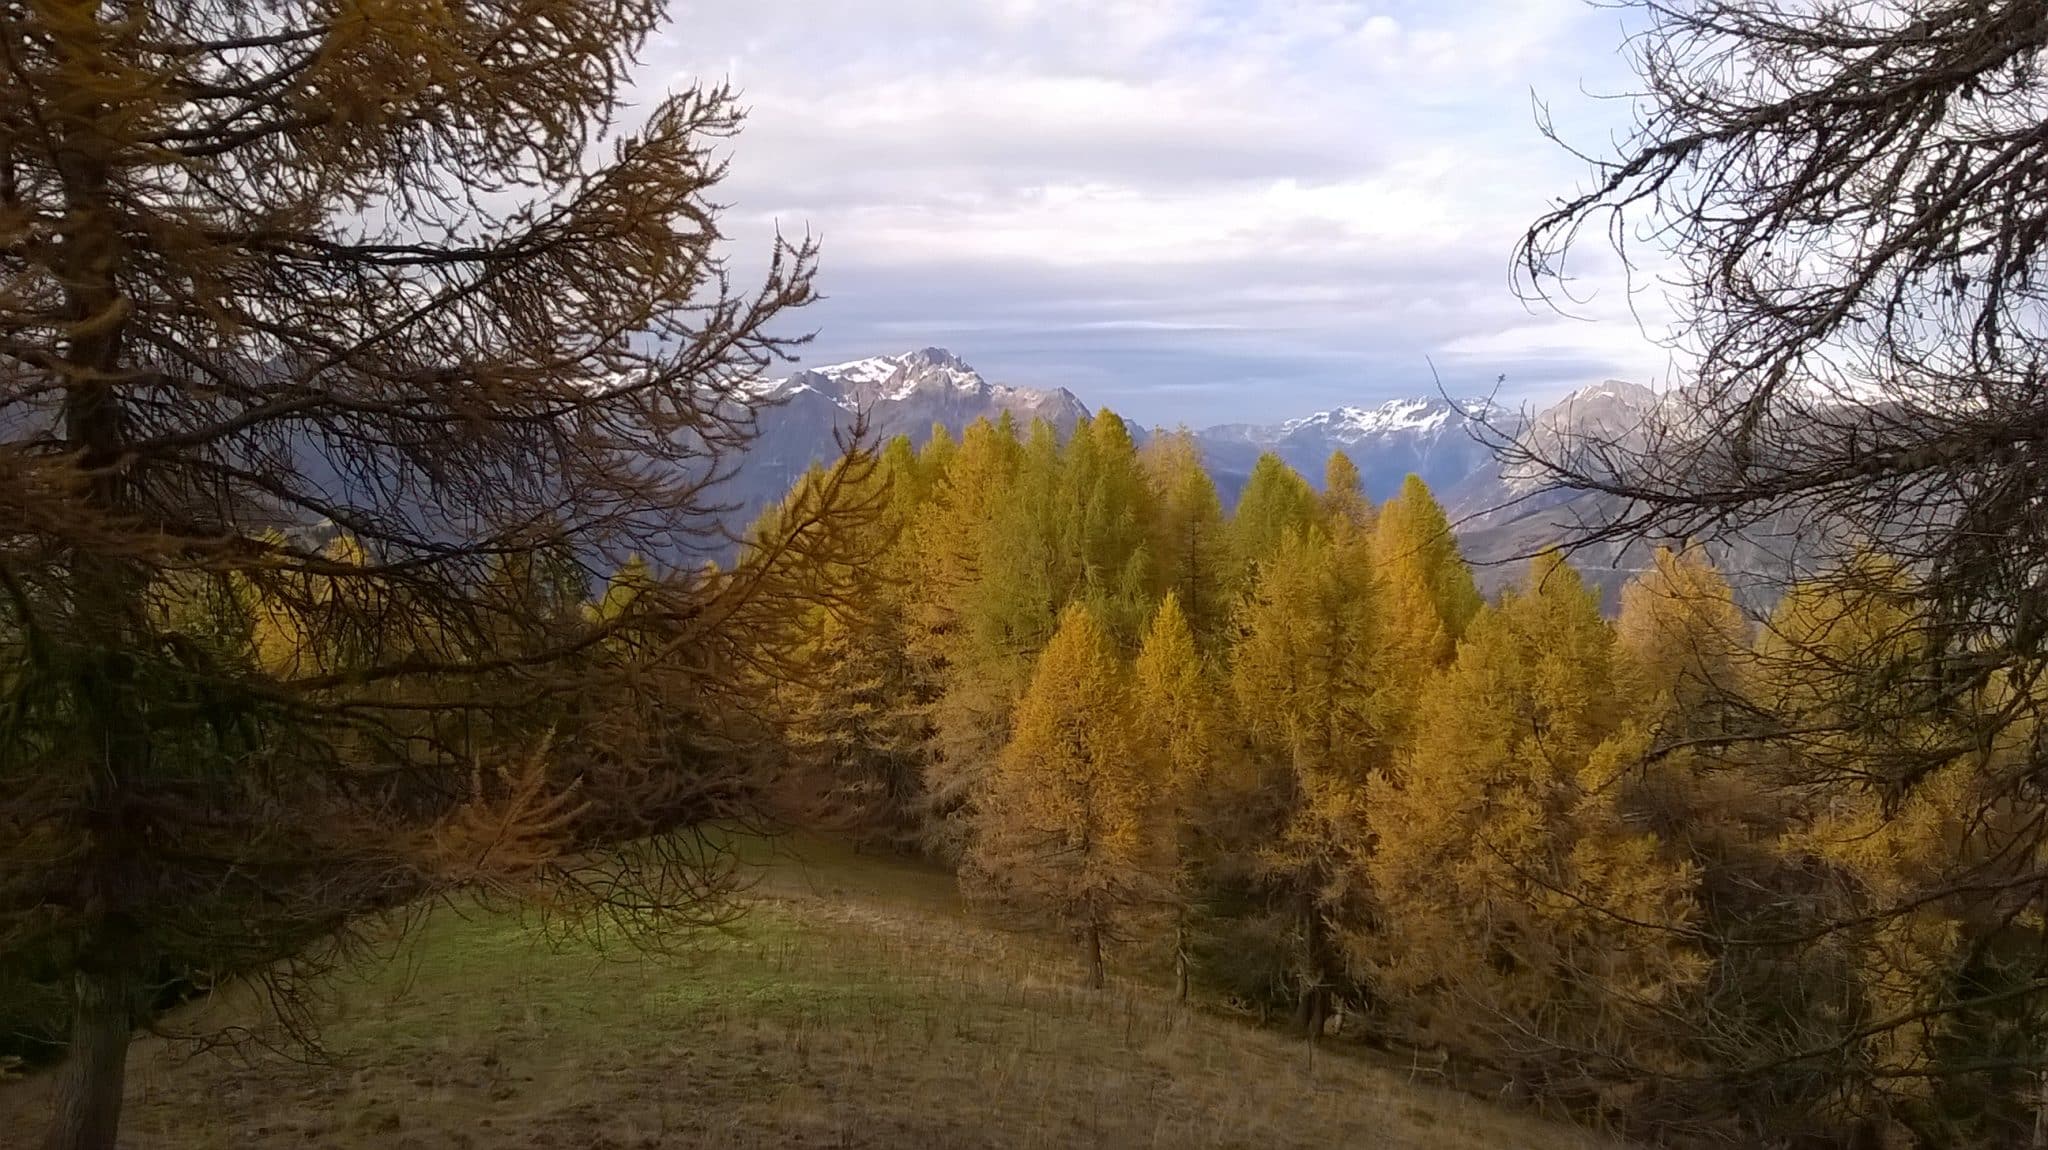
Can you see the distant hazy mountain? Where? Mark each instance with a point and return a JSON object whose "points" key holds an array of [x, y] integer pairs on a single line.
{"points": [[1503, 515], [1431, 438], [901, 394]]}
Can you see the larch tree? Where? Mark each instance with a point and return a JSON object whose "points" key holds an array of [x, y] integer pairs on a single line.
{"points": [[1032, 557], [1683, 639], [1847, 202], [1507, 877], [1344, 503], [1412, 540], [1067, 828], [1683, 671], [1179, 723], [1309, 677], [280, 272], [1105, 496], [1901, 783], [1430, 593], [856, 721], [974, 679], [934, 458], [1275, 501], [1191, 539]]}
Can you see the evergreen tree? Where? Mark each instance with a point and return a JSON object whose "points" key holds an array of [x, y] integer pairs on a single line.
{"points": [[975, 675], [1179, 727], [1344, 504], [1190, 537], [1506, 875], [852, 735], [1309, 676], [856, 723], [1067, 827], [1430, 592], [1275, 501]]}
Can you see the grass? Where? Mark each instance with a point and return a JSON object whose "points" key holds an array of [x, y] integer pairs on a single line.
{"points": [[855, 1005]]}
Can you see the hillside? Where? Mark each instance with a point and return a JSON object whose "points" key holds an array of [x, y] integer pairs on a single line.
{"points": [[853, 1006]]}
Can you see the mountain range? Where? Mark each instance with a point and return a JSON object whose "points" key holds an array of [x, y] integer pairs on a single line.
{"points": [[911, 393], [1500, 517]]}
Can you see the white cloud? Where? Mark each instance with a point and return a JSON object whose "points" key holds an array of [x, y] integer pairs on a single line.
{"points": [[1166, 195]]}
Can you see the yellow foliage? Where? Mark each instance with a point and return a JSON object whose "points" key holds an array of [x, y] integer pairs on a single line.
{"points": [[1175, 700], [1067, 826], [1514, 895]]}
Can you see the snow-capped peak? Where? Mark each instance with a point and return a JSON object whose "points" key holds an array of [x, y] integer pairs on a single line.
{"points": [[1417, 416], [872, 370], [895, 378], [1618, 391]]}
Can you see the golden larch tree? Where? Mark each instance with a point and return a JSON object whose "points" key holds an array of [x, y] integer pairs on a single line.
{"points": [[1508, 880], [279, 272], [1190, 538], [1178, 717], [1344, 504], [1309, 679], [1275, 500], [1067, 826]]}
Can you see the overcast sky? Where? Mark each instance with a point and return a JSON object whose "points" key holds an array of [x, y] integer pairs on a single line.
{"points": [[1190, 210]]}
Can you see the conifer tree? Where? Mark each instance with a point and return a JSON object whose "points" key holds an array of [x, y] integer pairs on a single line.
{"points": [[1106, 499], [406, 272], [1505, 872], [1190, 538], [1032, 561], [1067, 825], [1275, 501], [1179, 722], [852, 734], [936, 457], [855, 725], [1412, 541], [975, 676], [1309, 676], [1430, 592], [1344, 504], [1682, 638], [1906, 781]]}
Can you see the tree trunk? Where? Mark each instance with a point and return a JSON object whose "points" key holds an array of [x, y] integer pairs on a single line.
{"points": [[1316, 1011], [113, 736], [87, 1107], [1095, 975], [1315, 995], [2041, 1112], [1180, 960]]}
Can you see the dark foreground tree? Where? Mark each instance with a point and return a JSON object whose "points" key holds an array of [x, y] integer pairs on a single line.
{"points": [[343, 349], [1857, 199]]}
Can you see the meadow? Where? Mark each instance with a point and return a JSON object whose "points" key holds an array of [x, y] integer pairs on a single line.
{"points": [[855, 1003]]}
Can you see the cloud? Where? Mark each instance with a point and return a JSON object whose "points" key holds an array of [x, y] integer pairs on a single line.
{"points": [[1193, 209]]}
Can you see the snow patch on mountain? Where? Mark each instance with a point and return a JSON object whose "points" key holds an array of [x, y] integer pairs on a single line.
{"points": [[1395, 417], [886, 379]]}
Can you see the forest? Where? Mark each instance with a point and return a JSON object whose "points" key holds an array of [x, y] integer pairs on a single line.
{"points": [[374, 378], [1290, 752]]}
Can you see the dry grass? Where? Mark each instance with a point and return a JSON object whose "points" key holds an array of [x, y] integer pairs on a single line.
{"points": [[853, 1007]]}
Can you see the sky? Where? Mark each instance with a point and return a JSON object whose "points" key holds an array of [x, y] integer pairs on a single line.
{"points": [[1192, 211]]}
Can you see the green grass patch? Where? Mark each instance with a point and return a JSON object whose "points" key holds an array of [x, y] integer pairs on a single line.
{"points": [[854, 1005]]}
